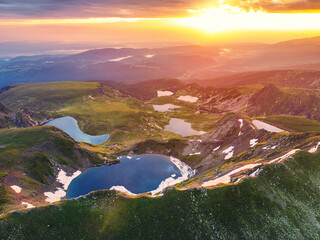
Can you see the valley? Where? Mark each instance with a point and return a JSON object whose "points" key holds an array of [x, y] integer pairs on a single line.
{"points": [[233, 160]]}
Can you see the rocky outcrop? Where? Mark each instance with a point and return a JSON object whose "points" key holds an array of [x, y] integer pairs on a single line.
{"points": [[274, 101], [19, 118], [232, 135]]}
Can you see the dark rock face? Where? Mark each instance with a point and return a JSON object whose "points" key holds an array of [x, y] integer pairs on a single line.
{"points": [[20, 118], [233, 134], [4, 109], [23, 118], [266, 96], [273, 101]]}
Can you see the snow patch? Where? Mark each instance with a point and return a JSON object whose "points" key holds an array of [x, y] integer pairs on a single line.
{"points": [[266, 126], [149, 55], [122, 189], [186, 172], [28, 205], [217, 148], [197, 153], [285, 156], [253, 142], [164, 93], [188, 98], [228, 152], [241, 122], [227, 177], [255, 173], [314, 149], [16, 188], [56, 196], [66, 180]]}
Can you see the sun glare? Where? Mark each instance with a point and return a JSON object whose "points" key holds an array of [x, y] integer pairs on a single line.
{"points": [[227, 18]]}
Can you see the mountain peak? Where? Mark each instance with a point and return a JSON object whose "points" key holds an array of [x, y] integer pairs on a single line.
{"points": [[266, 95]]}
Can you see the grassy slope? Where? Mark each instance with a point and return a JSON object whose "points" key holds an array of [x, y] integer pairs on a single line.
{"points": [[29, 157], [97, 108], [128, 120], [282, 203], [293, 123], [46, 96]]}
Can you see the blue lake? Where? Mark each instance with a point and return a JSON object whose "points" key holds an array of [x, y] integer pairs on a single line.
{"points": [[136, 174], [70, 126]]}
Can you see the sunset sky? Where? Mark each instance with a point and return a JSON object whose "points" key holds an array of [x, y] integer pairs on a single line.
{"points": [[147, 21]]}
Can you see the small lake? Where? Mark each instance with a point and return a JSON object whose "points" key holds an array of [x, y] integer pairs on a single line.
{"points": [[133, 175], [181, 127], [70, 126], [165, 107]]}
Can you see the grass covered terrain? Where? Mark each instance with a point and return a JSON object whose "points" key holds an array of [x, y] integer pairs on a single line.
{"points": [[293, 123], [31, 157], [46, 95], [97, 108], [100, 110], [281, 203]]}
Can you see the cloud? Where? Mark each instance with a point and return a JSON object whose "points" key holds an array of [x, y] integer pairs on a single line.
{"points": [[277, 5], [97, 8]]}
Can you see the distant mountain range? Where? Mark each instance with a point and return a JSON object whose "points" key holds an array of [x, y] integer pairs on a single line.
{"points": [[284, 64]]}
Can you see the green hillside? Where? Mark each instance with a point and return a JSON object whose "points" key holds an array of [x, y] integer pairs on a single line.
{"points": [[281, 203], [30, 157]]}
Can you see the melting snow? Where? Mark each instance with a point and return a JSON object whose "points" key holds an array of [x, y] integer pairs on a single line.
{"points": [[149, 55], [285, 156], [16, 188], [186, 173], [255, 173], [164, 93], [227, 177], [119, 59], [65, 181], [29, 205], [314, 149], [188, 99], [55, 196], [217, 148], [253, 142], [197, 153], [241, 122], [266, 126], [122, 189], [229, 152]]}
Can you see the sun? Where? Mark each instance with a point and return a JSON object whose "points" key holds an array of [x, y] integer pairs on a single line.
{"points": [[228, 18]]}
